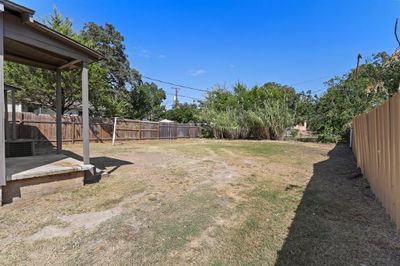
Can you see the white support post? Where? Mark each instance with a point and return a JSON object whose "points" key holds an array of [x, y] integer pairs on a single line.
{"points": [[114, 130], [85, 113], [14, 116], [6, 122], [58, 111], [2, 103]]}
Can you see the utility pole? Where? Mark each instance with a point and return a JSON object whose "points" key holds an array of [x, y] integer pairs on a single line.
{"points": [[398, 42], [395, 33], [359, 57], [176, 100]]}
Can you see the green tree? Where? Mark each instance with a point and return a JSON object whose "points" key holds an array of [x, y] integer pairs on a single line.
{"points": [[39, 84], [110, 43], [126, 94], [335, 109], [354, 93], [183, 113], [305, 107], [112, 97], [260, 112], [111, 80], [146, 100]]}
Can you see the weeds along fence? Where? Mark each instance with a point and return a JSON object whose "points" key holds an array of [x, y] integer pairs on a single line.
{"points": [[376, 145], [42, 129]]}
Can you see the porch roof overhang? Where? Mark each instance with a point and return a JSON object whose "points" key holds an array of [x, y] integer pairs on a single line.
{"points": [[8, 87], [26, 41], [29, 42]]}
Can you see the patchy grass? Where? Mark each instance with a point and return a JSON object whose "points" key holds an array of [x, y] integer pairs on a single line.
{"points": [[206, 202]]}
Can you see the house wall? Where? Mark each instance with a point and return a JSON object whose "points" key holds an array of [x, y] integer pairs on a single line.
{"points": [[18, 108], [302, 128]]}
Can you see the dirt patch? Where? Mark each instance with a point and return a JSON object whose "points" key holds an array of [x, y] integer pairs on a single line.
{"points": [[90, 220], [50, 231], [82, 221], [206, 202]]}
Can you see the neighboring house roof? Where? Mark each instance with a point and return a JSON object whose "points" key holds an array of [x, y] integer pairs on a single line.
{"points": [[166, 121]]}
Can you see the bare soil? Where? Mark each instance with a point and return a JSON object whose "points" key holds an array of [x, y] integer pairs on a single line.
{"points": [[205, 202]]}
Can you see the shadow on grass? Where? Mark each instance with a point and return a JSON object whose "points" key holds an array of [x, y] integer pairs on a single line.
{"points": [[338, 221], [101, 163], [104, 165]]}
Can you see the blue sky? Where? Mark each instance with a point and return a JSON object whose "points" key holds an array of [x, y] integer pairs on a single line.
{"points": [[202, 43]]}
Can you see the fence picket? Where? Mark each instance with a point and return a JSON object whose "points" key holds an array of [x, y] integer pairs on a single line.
{"points": [[42, 129], [376, 146]]}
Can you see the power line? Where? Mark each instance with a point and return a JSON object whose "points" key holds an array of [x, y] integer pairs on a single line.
{"points": [[174, 84], [310, 80], [313, 80], [317, 90], [184, 96], [203, 90]]}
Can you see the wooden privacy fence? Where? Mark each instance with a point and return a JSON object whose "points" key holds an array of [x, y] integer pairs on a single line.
{"points": [[42, 128], [376, 145]]}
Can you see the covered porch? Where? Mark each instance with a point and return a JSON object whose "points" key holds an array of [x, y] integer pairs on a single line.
{"points": [[26, 41], [19, 168]]}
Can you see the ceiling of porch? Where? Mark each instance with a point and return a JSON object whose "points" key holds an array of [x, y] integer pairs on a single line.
{"points": [[29, 42]]}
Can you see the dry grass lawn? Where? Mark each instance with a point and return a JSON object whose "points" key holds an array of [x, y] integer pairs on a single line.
{"points": [[206, 202]]}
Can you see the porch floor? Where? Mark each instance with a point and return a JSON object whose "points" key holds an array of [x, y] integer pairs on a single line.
{"points": [[18, 168]]}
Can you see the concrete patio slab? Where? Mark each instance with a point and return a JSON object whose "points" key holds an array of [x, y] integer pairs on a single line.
{"points": [[45, 165]]}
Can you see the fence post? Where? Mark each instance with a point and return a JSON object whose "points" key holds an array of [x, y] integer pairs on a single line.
{"points": [[158, 127], [140, 129], [73, 131], [100, 126], [351, 138], [114, 131]]}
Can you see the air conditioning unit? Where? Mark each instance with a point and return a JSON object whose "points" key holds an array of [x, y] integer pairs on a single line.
{"points": [[20, 148]]}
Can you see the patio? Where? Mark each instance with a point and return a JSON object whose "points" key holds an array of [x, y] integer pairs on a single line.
{"points": [[26, 41], [43, 165]]}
